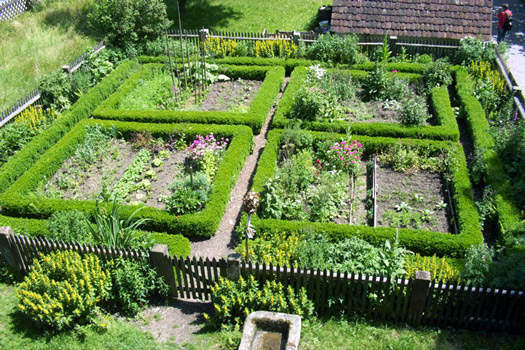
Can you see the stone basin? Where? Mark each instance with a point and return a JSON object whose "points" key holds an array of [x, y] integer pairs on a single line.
{"points": [[264, 330]]}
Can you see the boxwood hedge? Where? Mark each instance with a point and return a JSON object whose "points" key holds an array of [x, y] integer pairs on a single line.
{"points": [[290, 63], [177, 244], [17, 200], [82, 109], [421, 241], [508, 214], [447, 128], [255, 117]]}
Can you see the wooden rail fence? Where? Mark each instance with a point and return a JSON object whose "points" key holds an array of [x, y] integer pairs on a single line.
{"points": [[416, 301]]}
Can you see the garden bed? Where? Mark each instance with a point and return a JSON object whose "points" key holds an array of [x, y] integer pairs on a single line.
{"points": [[148, 96], [202, 219], [415, 200], [337, 102], [427, 239]]}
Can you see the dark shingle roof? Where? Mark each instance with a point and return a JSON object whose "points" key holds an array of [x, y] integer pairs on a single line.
{"points": [[453, 19]]}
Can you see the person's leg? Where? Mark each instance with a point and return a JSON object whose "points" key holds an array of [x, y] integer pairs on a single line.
{"points": [[500, 35]]}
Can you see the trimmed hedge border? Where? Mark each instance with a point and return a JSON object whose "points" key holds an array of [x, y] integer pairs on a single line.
{"points": [[291, 63], [82, 109], [420, 241], [508, 213], [447, 128], [177, 244], [17, 202], [255, 117]]}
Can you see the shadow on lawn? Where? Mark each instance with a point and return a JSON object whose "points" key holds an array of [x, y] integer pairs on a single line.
{"points": [[198, 14], [70, 18], [25, 328]]}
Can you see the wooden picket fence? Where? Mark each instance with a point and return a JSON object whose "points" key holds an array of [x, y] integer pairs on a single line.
{"points": [[416, 301]]}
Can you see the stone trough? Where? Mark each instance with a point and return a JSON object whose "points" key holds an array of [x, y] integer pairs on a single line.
{"points": [[264, 330]]}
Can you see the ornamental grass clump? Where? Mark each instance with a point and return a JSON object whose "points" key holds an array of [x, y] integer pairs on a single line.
{"points": [[233, 301], [63, 289]]}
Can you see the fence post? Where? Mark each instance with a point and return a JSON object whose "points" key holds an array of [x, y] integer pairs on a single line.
{"points": [[160, 259], [233, 268], [9, 250], [296, 37], [418, 296], [392, 43], [203, 34]]}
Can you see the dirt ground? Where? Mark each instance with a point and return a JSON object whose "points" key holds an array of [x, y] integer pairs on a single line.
{"points": [[421, 190]]}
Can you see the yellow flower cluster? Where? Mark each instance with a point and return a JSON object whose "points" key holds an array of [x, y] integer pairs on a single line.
{"points": [[483, 70], [275, 48], [274, 248], [36, 117], [220, 47], [63, 289], [440, 270]]}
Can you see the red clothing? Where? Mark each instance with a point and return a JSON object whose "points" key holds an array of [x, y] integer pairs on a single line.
{"points": [[502, 18]]}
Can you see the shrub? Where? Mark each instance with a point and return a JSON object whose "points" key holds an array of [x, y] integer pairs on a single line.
{"points": [[352, 255], [477, 264], [63, 289], [277, 248], [437, 73], [439, 268], [56, 90], [69, 225], [7, 274], [233, 301], [275, 48], [127, 23], [310, 104], [13, 137], [294, 140], [475, 50], [336, 49], [414, 111], [134, 283], [190, 194], [379, 84]]}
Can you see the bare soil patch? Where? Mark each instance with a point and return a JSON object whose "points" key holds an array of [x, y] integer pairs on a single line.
{"points": [[400, 193], [234, 95], [104, 172]]}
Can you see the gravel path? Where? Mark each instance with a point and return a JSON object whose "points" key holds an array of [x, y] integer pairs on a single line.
{"points": [[223, 242]]}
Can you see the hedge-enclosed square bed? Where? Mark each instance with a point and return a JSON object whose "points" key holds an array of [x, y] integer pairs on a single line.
{"points": [[30, 195], [268, 81], [438, 216]]}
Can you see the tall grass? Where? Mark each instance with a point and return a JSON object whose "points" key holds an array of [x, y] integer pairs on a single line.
{"points": [[37, 43]]}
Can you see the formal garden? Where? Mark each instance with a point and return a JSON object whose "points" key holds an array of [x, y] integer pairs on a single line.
{"points": [[358, 160]]}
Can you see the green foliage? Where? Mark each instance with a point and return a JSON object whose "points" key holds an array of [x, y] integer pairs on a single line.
{"points": [[408, 159], [56, 90], [336, 49], [254, 117], [127, 23], [421, 241], [133, 173], [134, 284], [414, 111], [277, 248], [110, 229], [437, 74], [82, 109], [352, 255], [507, 212], [294, 140], [13, 137], [203, 223], [233, 301], [439, 268], [7, 274], [189, 194], [475, 50], [178, 245], [477, 265], [69, 225], [311, 104], [63, 289]]}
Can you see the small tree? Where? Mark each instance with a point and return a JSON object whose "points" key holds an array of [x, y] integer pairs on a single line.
{"points": [[126, 23]]}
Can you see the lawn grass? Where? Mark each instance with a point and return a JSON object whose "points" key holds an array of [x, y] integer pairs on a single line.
{"points": [[248, 15], [17, 333], [36, 43]]}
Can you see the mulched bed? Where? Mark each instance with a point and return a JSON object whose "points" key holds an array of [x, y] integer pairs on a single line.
{"points": [[421, 190]]}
